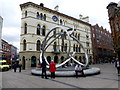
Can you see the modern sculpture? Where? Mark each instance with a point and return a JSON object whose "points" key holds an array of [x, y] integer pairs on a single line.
{"points": [[49, 40], [66, 33]]}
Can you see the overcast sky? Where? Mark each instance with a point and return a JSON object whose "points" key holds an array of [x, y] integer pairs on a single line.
{"points": [[11, 13]]}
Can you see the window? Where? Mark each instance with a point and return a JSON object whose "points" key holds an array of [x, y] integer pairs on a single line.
{"points": [[66, 47], [45, 17], [62, 46], [74, 47], [54, 47], [78, 36], [24, 45], [87, 44], [25, 28], [43, 30], [73, 33], [87, 50], [25, 13], [61, 21], [37, 15], [38, 29], [38, 45], [77, 48], [41, 16], [54, 32], [87, 36]]}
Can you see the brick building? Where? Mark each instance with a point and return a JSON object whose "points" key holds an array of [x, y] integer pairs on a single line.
{"points": [[5, 50], [114, 21], [9, 52], [102, 44]]}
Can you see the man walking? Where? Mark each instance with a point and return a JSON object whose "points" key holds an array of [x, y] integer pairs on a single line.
{"points": [[43, 65], [117, 65], [52, 69]]}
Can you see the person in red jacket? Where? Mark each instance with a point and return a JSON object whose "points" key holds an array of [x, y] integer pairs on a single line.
{"points": [[52, 69]]}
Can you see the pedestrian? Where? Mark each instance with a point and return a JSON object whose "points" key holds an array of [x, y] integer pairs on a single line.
{"points": [[52, 69], [15, 66], [78, 69], [43, 66], [20, 65], [117, 65]]}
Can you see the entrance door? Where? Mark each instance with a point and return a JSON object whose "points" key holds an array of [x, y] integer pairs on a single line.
{"points": [[56, 59], [23, 63], [33, 61]]}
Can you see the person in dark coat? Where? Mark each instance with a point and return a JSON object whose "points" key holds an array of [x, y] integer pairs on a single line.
{"points": [[20, 66], [15, 66], [43, 66], [117, 65], [52, 69]]}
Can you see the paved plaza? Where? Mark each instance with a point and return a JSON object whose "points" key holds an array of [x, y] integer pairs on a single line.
{"points": [[107, 79]]}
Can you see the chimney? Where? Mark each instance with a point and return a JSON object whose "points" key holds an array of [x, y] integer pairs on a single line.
{"points": [[41, 4], [56, 8]]}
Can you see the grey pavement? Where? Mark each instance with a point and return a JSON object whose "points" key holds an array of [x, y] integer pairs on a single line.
{"points": [[107, 79]]}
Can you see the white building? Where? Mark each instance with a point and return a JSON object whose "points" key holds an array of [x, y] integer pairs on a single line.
{"points": [[1, 23], [36, 21]]}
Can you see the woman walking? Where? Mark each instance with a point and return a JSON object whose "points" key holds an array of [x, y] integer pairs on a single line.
{"points": [[52, 69]]}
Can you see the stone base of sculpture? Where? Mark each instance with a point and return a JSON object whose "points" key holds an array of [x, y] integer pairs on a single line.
{"points": [[67, 72]]}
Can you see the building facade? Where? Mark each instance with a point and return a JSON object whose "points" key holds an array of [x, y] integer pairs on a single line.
{"points": [[5, 50], [102, 44], [114, 21], [9, 52], [13, 52], [37, 21], [1, 23]]}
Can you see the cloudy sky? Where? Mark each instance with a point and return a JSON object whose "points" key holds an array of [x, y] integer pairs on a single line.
{"points": [[11, 13]]}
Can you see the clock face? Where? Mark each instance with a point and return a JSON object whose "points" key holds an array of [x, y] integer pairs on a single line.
{"points": [[55, 18]]}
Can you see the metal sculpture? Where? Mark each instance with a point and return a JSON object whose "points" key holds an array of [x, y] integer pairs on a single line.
{"points": [[68, 33]]}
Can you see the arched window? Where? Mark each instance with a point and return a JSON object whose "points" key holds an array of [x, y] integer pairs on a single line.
{"points": [[25, 28], [62, 46], [37, 16], [38, 29], [25, 13], [79, 49], [54, 32], [41, 16], [54, 47], [24, 45], [61, 21], [73, 33], [45, 17], [74, 47], [78, 36], [38, 45], [43, 30], [66, 47]]}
